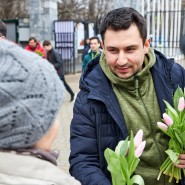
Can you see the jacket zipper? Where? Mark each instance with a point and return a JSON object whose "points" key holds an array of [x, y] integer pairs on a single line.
{"points": [[138, 95]]}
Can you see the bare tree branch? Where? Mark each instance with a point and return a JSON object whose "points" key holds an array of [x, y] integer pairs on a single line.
{"points": [[84, 10], [12, 9]]}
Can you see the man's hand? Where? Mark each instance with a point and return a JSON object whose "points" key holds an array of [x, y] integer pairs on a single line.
{"points": [[181, 163]]}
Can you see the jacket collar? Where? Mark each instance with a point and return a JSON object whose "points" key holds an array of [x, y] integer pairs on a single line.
{"points": [[161, 73], [94, 80]]}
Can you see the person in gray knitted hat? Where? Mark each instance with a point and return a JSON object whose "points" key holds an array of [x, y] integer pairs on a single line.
{"points": [[31, 95]]}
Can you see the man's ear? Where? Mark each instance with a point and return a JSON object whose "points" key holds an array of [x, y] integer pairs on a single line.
{"points": [[102, 45], [147, 45]]}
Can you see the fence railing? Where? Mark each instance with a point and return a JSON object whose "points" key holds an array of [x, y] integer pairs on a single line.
{"points": [[165, 25], [65, 43]]}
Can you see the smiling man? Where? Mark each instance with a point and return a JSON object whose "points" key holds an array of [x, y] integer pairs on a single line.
{"points": [[120, 91]]}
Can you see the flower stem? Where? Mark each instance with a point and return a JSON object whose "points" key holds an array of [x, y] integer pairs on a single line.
{"points": [[163, 167], [167, 170], [165, 164]]}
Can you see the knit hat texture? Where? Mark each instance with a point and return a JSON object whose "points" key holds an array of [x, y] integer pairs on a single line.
{"points": [[31, 94]]}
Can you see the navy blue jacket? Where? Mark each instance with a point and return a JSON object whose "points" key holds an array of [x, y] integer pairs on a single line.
{"points": [[98, 122], [56, 60]]}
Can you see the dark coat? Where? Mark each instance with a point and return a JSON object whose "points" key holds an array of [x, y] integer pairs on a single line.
{"points": [[56, 60], [98, 122], [85, 50]]}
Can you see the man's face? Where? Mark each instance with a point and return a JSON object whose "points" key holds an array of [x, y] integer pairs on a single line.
{"points": [[48, 48], [94, 44], [32, 44], [124, 51]]}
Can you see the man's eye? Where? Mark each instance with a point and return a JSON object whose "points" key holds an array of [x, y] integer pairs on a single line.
{"points": [[113, 50], [130, 49]]}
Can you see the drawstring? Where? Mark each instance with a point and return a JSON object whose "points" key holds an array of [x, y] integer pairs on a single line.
{"points": [[136, 85]]}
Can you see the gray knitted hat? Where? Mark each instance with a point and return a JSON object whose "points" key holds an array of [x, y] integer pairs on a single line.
{"points": [[30, 96]]}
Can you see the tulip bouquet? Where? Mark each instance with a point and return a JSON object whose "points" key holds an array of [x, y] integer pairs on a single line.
{"points": [[123, 161], [40, 53], [174, 126]]}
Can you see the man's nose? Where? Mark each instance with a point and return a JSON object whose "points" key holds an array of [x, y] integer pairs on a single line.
{"points": [[122, 59]]}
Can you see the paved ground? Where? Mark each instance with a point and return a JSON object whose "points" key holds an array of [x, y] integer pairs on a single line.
{"points": [[62, 141]]}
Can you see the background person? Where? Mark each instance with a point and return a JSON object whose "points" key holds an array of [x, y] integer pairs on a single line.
{"points": [[86, 47], [93, 52], [30, 99], [3, 30], [55, 59], [35, 46], [120, 91]]}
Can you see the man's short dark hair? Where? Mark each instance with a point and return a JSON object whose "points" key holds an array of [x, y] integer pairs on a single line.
{"points": [[92, 38], [3, 29], [122, 19], [46, 43], [32, 38]]}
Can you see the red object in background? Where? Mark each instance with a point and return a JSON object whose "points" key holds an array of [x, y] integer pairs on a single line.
{"points": [[82, 42], [38, 49]]}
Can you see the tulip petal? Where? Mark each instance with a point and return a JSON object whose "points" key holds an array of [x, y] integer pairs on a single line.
{"points": [[139, 149], [162, 126], [138, 138], [167, 119], [181, 104]]}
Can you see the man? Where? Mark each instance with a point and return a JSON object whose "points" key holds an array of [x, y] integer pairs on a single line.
{"points": [[86, 48], [54, 58], [31, 96], [3, 30], [93, 53], [35, 46], [120, 91]]}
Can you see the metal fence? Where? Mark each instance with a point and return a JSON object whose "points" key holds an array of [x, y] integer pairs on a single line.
{"points": [[165, 26], [64, 34]]}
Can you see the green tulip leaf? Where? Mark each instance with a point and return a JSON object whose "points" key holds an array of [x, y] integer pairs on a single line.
{"points": [[124, 148], [118, 147], [173, 156], [114, 166], [171, 111], [131, 155], [108, 153], [177, 130], [124, 167], [182, 136], [178, 93], [173, 145], [137, 179], [133, 165], [178, 139], [183, 124]]}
